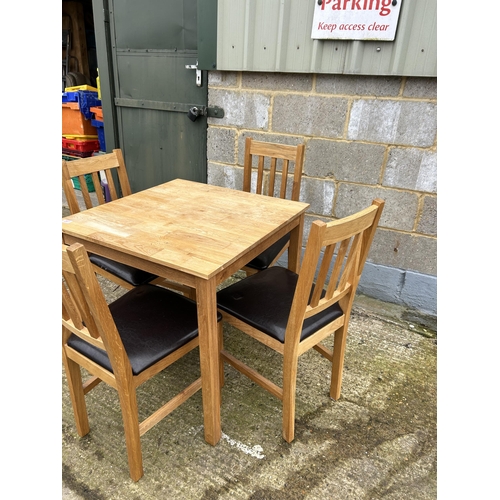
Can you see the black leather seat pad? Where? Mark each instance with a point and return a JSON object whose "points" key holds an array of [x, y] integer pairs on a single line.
{"points": [[152, 322], [264, 260], [264, 300], [130, 274]]}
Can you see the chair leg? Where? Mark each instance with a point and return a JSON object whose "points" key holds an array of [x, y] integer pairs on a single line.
{"points": [[289, 389], [339, 344], [128, 403], [221, 347], [75, 383]]}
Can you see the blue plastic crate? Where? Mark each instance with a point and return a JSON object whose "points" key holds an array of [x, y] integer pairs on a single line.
{"points": [[99, 125], [70, 97], [86, 99]]}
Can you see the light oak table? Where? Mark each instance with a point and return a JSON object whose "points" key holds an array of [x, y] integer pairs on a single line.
{"points": [[198, 235]]}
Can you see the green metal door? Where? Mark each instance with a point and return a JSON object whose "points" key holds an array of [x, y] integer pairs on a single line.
{"points": [[149, 45]]}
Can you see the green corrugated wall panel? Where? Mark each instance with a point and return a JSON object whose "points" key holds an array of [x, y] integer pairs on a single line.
{"points": [[267, 35]]}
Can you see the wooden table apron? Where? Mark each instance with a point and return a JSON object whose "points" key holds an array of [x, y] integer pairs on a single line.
{"points": [[198, 235]]}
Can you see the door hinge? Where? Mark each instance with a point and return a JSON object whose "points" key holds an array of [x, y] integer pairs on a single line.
{"points": [[176, 107]]}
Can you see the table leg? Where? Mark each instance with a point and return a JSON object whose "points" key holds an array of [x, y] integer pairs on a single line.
{"points": [[295, 248], [209, 358]]}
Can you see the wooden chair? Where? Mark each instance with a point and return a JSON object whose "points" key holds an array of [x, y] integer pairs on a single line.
{"points": [[270, 156], [291, 313], [123, 344], [102, 167]]}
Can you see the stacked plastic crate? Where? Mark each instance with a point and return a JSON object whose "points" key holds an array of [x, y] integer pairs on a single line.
{"points": [[79, 136]]}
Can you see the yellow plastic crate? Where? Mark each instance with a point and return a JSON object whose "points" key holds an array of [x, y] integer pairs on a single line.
{"points": [[80, 137], [80, 87]]}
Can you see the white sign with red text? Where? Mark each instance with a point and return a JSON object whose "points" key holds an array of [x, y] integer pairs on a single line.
{"points": [[356, 19]]}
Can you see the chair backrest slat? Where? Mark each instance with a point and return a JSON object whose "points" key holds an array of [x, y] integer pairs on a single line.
{"points": [[85, 191], [93, 166], [273, 158], [351, 267], [284, 173], [110, 181], [272, 177], [260, 175], [97, 182], [70, 310], [337, 266], [322, 275]]}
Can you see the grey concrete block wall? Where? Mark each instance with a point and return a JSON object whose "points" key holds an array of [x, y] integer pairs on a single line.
{"points": [[411, 168], [365, 137], [344, 161], [409, 123]]}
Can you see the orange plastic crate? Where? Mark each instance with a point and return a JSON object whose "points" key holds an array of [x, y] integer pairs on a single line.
{"points": [[74, 122], [97, 110]]}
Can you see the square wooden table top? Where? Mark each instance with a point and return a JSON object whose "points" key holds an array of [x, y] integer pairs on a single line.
{"points": [[191, 227]]}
